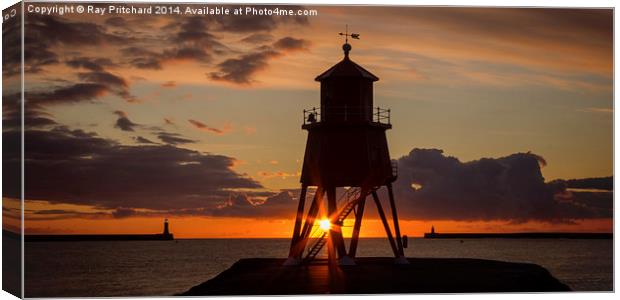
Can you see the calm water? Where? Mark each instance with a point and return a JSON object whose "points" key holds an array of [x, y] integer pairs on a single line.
{"points": [[169, 267]]}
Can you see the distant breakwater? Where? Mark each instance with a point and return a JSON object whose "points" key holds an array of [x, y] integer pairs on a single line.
{"points": [[521, 235], [98, 237]]}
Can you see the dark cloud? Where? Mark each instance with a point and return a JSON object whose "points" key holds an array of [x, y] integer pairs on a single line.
{"points": [[142, 58], [194, 31], [192, 42], [146, 59], [173, 138], [42, 34], [186, 53], [75, 93], [106, 78], [291, 44], [240, 70], [508, 188], [600, 183], [36, 54], [143, 140], [95, 84], [92, 64], [11, 46], [258, 38], [202, 126], [33, 116], [77, 167], [123, 123], [54, 30]]}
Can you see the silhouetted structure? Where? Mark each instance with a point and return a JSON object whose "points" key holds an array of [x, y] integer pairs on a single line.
{"points": [[166, 229], [346, 147]]}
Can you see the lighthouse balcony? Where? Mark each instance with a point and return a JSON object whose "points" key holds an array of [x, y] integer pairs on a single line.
{"points": [[346, 115], [394, 170]]}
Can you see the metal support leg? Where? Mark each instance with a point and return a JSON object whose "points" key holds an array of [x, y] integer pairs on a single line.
{"points": [[312, 212], [399, 240], [358, 224], [298, 220], [386, 225]]}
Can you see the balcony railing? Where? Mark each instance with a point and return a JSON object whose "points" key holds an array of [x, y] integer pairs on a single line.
{"points": [[394, 169], [312, 115], [379, 115]]}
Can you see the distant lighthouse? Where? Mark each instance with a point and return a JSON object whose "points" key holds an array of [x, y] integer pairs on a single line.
{"points": [[346, 147], [166, 235]]}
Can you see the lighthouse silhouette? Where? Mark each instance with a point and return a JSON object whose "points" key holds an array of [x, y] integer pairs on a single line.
{"points": [[346, 151]]}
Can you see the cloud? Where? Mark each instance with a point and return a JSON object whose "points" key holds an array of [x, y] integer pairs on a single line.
{"points": [[173, 138], [75, 93], [142, 58], [12, 47], [44, 33], [147, 59], [54, 30], [433, 186], [92, 64], [77, 167], [278, 205], [192, 42], [122, 212], [599, 183], [95, 83], [33, 115], [257, 38], [241, 70], [143, 140], [202, 126], [123, 123], [291, 44]]}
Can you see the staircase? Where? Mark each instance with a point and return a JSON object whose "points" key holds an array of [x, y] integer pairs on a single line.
{"points": [[351, 197]]}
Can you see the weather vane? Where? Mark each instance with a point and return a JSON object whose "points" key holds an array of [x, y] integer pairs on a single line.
{"points": [[347, 35]]}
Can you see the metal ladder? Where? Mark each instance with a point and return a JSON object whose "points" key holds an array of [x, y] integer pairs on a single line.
{"points": [[352, 197]]}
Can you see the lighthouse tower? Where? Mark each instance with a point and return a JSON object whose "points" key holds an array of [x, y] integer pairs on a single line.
{"points": [[346, 148]]}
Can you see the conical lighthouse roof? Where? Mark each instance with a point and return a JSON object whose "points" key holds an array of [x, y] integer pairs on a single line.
{"points": [[346, 68]]}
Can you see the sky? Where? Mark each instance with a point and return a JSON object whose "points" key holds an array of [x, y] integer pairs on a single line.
{"points": [[132, 119]]}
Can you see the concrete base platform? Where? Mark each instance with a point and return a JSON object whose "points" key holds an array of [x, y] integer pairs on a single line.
{"points": [[373, 275]]}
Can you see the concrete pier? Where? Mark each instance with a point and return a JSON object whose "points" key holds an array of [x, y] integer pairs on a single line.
{"points": [[374, 275]]}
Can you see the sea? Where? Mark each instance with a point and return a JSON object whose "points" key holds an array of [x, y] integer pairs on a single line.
{"points": [[163, 268]]}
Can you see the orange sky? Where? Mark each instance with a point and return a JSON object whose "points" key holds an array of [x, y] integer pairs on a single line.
{"points": [[208, 227]]}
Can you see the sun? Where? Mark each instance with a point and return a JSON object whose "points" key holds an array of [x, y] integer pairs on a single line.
{"points": [[325, 225]]}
